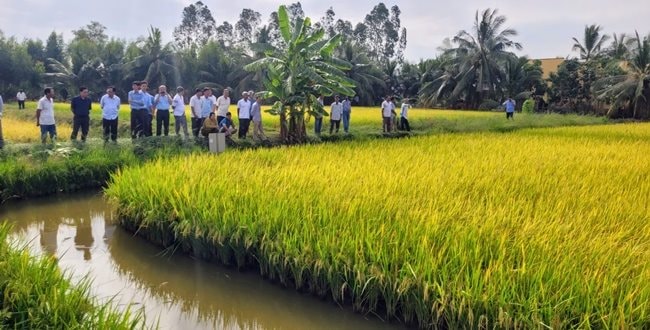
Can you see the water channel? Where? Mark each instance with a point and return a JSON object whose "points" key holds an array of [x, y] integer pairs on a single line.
{"points": [[174, 291]]}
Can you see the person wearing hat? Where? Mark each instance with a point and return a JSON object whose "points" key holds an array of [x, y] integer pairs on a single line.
{"points": [[178, 104]]}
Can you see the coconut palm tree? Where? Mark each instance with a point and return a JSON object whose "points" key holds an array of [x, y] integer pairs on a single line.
{"points": [[300, 70], [620, 46], [155, 62], [521, 77], [368, 78], [479, 54], [592, 42], [629, 94]]}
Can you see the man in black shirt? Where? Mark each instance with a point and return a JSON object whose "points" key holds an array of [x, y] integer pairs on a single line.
{"points": [[81, 106]]}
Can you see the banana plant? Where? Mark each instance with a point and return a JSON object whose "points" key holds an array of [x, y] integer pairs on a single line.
{"points": [[298, 71]]}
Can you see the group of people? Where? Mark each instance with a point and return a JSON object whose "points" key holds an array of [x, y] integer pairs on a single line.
{"points": [[208, 113], [339, 111], [389, 115]]}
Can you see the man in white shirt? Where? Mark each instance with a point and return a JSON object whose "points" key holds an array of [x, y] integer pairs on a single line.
{"points": [[21, 97], [178, 104], [195, 111], [223, 105], [244, 107], [335, 115], [386, 114], [45, 115], [404, 120], [110, 105]]}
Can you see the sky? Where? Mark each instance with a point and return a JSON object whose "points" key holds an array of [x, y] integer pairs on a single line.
{"points": [[545, 27]]}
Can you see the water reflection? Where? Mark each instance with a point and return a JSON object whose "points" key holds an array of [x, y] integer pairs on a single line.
{"points": [[175, 291]]}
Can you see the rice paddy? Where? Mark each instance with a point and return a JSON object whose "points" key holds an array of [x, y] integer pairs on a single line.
{"points": [[19, 126], [528, 229]]}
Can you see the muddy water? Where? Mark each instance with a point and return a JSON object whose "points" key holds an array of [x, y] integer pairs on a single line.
{"points": [[174, 291]]}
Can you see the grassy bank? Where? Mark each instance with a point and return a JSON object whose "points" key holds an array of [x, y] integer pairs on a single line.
{"points": [[34, 294], [530, 229], [30, 171]]}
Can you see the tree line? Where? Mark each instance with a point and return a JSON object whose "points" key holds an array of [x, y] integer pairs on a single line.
{"points": [[476, 68]]}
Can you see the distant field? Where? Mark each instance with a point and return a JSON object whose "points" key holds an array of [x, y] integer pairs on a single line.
{"points": [[364, 121]]}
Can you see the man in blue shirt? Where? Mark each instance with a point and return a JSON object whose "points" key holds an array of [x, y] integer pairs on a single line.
{"points": [[110, 104], [148, 103], [347, 110], [138, 110], [510, 108], [80, 107]]}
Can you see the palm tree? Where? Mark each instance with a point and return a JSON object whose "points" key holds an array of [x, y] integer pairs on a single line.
{"points": [[592, 42], [479, 55], [368, 78], [631, 90], [300, 70], [620, 47], [155, 61], [91, 74], [521, 77]]}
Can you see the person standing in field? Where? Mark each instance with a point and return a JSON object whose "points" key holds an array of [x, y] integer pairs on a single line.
{"points": [[386, 113], [510, 108], [138, 110], [80, 107], [256, 115], [162, 102], [195, 111], [318, 118], [178, 104], [244, 107], [336, 111], [208, 105], [45, 116], [404, 114], [148, 104], [21, 97], [347, 111], [223, 105], [110, 105]]}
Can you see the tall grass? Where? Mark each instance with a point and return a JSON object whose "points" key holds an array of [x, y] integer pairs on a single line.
{"points": [[34, 294], [531, 229]]}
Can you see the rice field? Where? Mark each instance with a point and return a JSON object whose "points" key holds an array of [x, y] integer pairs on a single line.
{"points": [[539, 228], [36, 295], [24, 131], [19, 125]]}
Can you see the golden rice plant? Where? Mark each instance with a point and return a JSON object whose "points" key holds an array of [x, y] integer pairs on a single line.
{"points": [[538, 228], [23, 131]]}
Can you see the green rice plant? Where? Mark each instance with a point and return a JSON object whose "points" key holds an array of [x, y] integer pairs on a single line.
{"points": [[35, 294], [528, 229]]}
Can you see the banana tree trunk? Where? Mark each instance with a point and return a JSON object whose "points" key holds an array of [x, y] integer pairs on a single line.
{"points": [[284, 128]]}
